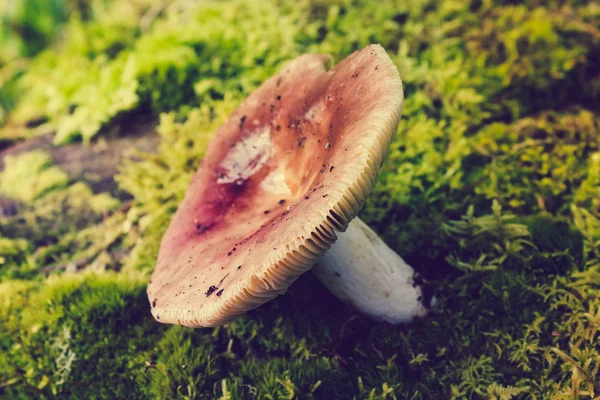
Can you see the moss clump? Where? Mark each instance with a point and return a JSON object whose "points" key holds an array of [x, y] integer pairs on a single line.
{"points": [[12, 251], [29, 176], [57, 223], [79, 332], [490, 190]]}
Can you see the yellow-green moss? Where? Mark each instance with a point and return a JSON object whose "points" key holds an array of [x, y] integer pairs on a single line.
{"points": [[55, 227], [28, 176]]}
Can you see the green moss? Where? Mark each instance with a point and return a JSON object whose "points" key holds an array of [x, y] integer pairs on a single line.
{"points": [[27, 26], [80, 332], [28, 176], [12, 250], [59, 225]]}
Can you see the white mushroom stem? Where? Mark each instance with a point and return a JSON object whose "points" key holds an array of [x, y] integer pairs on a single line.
{"points": [[363, 271]]}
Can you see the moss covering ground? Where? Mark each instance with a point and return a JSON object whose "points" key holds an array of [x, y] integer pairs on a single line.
{"points": [[491, 190]]}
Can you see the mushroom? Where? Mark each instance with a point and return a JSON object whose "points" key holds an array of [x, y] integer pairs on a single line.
{"points": [[278, 187]]}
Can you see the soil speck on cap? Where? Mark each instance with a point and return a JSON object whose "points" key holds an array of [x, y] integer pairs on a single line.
{"points": [[239, 267], [242, 120], [154, 303], [222, 279], [200, 229], [220, 292], [331, 168], [325, 195], [210, 290]]}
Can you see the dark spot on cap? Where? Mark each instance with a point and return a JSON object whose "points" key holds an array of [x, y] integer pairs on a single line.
{"points": [[281, 201], [306, 197], [325, 195], [154, 303], [242, 120], [278, 97], [210, 290], [331, 168], [278, 128], [239, 267], [220, 292], [157, 316], [222, 279], [266, 212], [200, 229]]}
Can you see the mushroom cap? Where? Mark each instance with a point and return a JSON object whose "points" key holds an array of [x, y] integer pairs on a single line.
{"points": [[291, 166]]}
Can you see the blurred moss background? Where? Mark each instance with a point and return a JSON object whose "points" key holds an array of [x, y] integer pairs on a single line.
{"points": [[491, 190]]}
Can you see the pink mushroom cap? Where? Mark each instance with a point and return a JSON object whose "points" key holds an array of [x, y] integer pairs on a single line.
{"points": [[292, 165]]}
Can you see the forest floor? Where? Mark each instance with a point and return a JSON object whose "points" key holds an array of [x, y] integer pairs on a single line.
{"points": [[490, 190]]}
